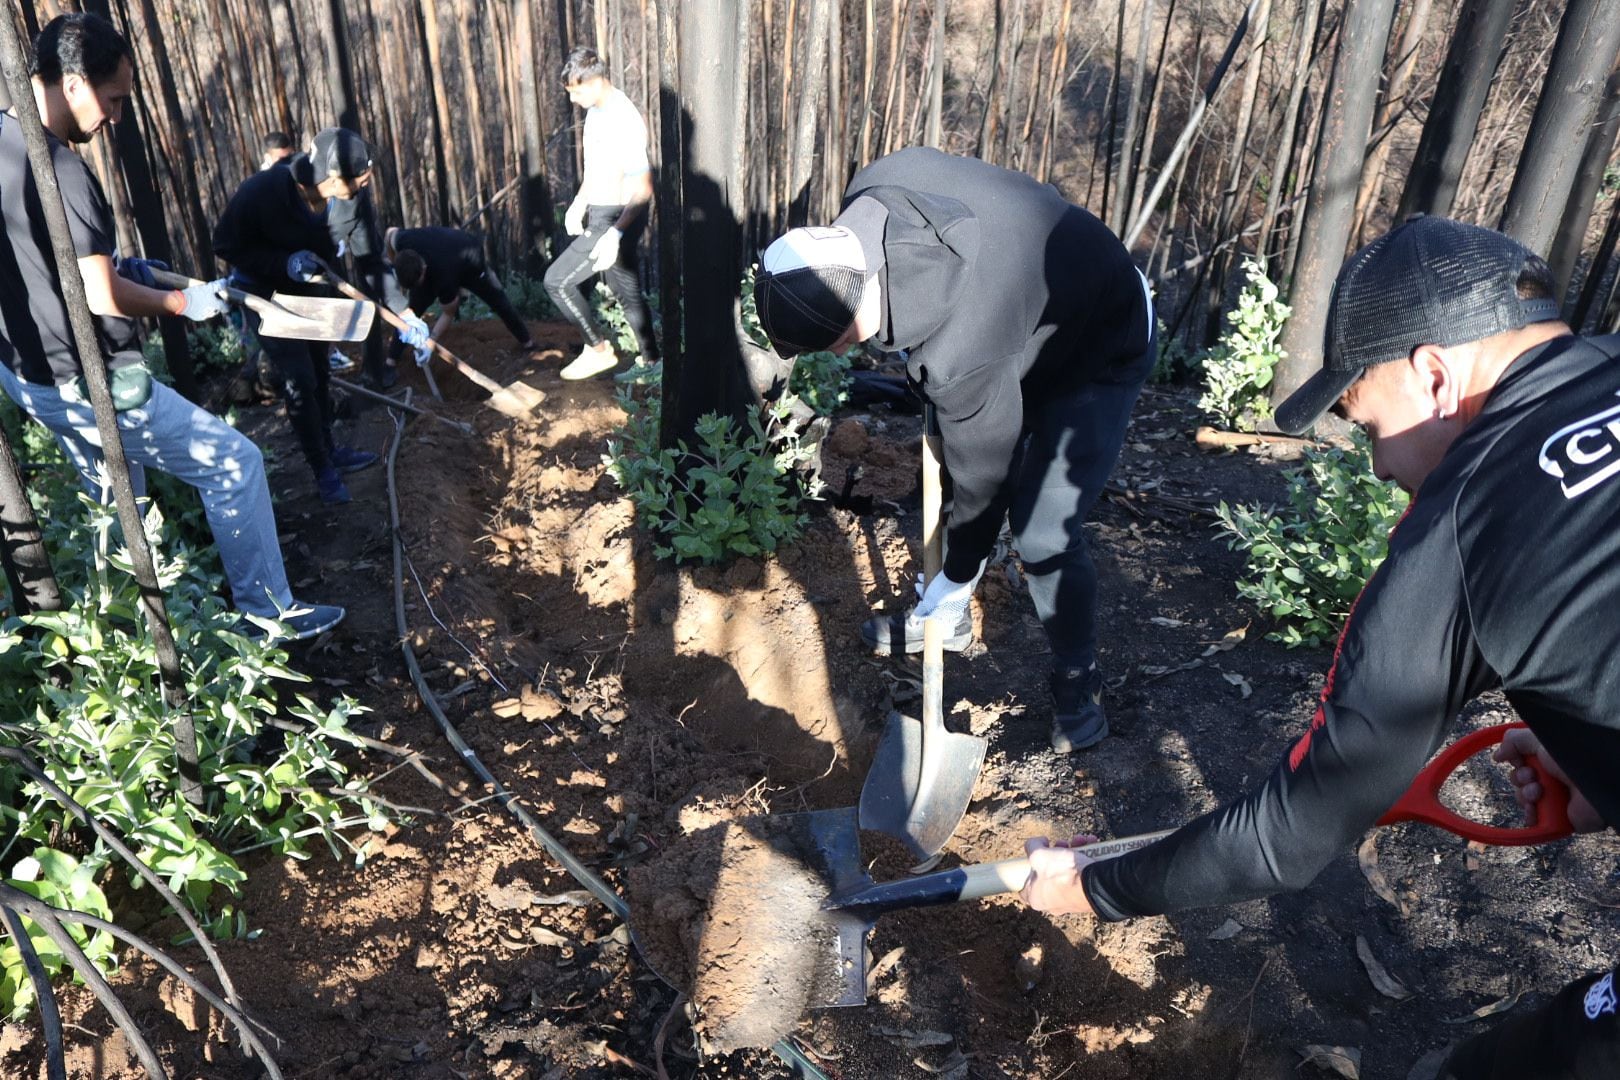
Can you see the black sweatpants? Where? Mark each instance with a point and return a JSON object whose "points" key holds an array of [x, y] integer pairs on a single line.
{"points": [[1070, 446], [305, 378], [570, 273], [1575, 1036]]}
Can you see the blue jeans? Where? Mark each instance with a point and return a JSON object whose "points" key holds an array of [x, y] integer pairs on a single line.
{"points": [[171, 434]]}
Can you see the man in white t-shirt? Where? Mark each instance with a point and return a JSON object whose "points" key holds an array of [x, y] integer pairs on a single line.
{"points": [[606, 218]]}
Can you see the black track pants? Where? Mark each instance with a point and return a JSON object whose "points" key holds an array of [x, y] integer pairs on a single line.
{"points": [[571, 271]]}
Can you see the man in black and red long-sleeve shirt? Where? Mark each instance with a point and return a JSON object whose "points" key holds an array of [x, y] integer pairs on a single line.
{"points": [[1029, 329], [1445, 346]]}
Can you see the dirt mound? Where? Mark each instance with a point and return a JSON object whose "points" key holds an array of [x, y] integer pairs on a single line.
{"points": [[732, 912]]}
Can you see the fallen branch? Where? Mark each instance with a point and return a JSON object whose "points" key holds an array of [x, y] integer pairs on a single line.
{"points": [[1125, 495], [1214, 439]]}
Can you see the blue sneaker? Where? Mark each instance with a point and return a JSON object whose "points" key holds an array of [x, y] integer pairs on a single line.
{"points": [[301, 622], [331, 488], [349, 459]]}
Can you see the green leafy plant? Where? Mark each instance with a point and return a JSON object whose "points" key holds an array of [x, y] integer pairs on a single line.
{"points": [[1238, 368], [527, 293], [82, 697], [1307, 562], [734, 493], [1174, 360], [215, 346]]}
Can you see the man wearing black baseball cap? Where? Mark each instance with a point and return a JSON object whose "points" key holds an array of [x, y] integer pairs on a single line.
{"points": [[1026, 325], [275, 232], [1444, 344]]}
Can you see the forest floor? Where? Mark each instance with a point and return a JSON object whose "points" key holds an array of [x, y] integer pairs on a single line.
{"points": [[628, 703]]}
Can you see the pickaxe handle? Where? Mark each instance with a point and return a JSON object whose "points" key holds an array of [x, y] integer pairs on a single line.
{"points": [[399, 324]]}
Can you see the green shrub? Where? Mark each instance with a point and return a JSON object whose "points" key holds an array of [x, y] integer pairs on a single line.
{"points": [[1174, 360], [734, 493], [527, 293], [1307, 562], [1238, 368], [81, 695]]}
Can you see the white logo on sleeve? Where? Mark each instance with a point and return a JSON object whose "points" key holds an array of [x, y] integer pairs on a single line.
{"points": [[1600, 998], [1584, 454]]}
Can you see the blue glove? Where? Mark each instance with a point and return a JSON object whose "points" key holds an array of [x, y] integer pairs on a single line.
{"points": [[415, 332], [140, 270], [303, 266], [424, 353]]}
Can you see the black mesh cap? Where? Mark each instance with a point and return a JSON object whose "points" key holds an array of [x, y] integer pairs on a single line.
{"points": [[1430, 281], [809, 288], [339, 152]]}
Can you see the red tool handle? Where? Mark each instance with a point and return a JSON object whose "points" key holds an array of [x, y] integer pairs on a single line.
{"points": [[1422, 800]]}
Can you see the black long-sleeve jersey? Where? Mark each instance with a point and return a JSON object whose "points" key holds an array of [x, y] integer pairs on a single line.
{"points": [[267, 220], [1504, 572], [453, 259], [1001, 290]]}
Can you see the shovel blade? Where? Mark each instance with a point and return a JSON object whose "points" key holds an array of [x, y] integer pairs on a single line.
{"points": [[918, 798], [316, 318], [828, 842]]}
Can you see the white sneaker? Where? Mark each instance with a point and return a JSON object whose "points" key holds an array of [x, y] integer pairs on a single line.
{"points": [[591, 362]]}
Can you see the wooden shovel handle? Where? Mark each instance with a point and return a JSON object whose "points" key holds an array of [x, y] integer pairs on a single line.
{"points": [[399, 324]]}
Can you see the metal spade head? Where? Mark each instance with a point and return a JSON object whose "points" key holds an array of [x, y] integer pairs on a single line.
{"points": [[316, 318], [920, 783]]}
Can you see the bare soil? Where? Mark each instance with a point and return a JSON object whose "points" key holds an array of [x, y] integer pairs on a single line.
{"points": [[632, 705]]}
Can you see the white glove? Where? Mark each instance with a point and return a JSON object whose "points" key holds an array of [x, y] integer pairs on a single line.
{"points": [[424, 353], [946, 599], [574, 219], [415, 332], [204, 301], [606, 251]]}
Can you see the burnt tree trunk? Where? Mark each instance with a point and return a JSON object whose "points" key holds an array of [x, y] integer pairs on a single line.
{"points": [[1588, 39], [340, 72], [1454, 111], [811, 91], [185, 184], [27, 564], [1571, 234], [538, 219], [703, 371], [1346, 122], [1389, 113]]}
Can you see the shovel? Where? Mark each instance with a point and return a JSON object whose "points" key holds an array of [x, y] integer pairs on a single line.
{"points": [[302, 318], [516, 400], [827, 843], [922, 775]]}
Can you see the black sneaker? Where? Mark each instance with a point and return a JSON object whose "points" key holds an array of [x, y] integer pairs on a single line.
{"points": [[349, 459], [889, 635], [1078, 720]]}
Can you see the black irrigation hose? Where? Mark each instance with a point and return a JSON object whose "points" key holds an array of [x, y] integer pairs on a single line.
{"points": [[47, 921], [790, 1054], [50, 1018], [32, 907]]}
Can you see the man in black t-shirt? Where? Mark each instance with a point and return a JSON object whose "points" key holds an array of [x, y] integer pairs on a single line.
{"points": [[435, 265], [272, 231], [1444, 344], [1026, 325], [82, 74]]}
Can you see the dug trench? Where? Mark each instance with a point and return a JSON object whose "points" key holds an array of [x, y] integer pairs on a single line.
{"points": [[634, 706]]}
